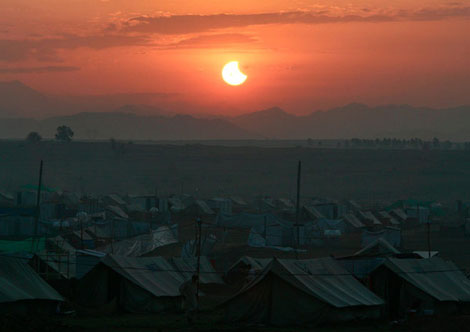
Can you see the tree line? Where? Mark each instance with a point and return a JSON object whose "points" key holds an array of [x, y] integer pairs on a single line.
{"points": [[63, 134]]}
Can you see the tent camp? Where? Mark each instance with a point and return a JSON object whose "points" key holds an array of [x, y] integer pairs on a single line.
{"points": [[291, 292], [425, 286], [267, 230], [143, 284], [22, 290]]}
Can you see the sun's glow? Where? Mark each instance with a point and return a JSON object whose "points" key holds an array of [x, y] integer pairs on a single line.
{"points": [[232, 74]]}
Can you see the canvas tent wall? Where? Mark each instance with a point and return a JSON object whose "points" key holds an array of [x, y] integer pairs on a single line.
{"points": [[291, 292], [425, 285], [144, 284], [22, 290]]}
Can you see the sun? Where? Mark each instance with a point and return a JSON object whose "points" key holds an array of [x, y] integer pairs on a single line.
{"points": [[232, 74]]}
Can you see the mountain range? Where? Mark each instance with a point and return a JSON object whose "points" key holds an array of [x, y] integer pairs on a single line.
{"points": [[135, 116]]}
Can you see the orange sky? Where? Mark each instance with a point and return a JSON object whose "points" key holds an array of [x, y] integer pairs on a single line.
{"points": [[299, 55]]}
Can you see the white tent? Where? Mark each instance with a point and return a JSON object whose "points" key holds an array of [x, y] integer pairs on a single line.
{"points": [[290, 292]]}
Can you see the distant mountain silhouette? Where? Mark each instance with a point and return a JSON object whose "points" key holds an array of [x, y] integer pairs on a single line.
{"points": [[17, 99], [362, 121], [129, 116], [126, 126], [270, 123]]}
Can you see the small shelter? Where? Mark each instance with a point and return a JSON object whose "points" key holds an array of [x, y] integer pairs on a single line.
{"points": [[22, 290], [143, 284], [292, 292], [423, 286]]}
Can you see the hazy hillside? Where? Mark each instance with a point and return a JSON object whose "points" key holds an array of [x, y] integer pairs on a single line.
{"points": [[17, 100], [128, 116], [357, 120], [126, 126]]}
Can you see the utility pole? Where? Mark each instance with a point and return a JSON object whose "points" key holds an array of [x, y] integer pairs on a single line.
{"points": [[297, 208], [199, 236], [429, 238], [38, 202]]}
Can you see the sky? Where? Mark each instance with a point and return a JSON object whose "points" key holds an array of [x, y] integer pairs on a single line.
{"points": [[299, 55]]}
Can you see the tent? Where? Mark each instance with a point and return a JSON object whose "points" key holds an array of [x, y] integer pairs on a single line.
{"points": [[22, 289], [142, 244], [291, 292], [362, 263], [143, 284], [188, 267], [352, 222], [391, 234], [377, 248], [423, 285]]}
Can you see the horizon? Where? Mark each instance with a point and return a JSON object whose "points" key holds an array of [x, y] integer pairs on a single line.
{"points": [[168, 112]]}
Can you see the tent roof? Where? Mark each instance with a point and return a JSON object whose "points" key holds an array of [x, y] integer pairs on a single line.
{"points": [[256, 263], [379, 247], [117, 211], [238, 200], [400, 214], [18, 281], [372, 218], [313, 212], [353, 220], [386, 215], [188, 266], [118, 200], [6, 196], [440, 279], [153, 274], [142, 244], [322, 278], [203, 207], [248, 220]]}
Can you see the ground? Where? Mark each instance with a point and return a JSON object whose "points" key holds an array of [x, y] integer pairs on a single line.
{"points": [[208, 322], [250, 170]]}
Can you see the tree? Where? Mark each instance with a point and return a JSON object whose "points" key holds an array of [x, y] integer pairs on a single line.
{"points": [[33, 137], [64, 134]]}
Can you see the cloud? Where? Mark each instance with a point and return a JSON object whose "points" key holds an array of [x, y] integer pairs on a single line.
{"points": [[210, 41], [191, 31], [46, 49], [185, 24], [45, 69]]}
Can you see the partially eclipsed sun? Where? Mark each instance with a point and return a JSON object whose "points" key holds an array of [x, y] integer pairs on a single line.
{"points": [[232, 74]]}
